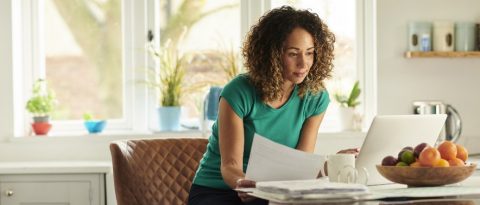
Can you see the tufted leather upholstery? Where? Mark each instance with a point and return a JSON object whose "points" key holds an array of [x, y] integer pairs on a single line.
{"points": [[155, 171]]}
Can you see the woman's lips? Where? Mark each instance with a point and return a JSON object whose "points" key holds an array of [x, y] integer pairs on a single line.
{"points": [[299, 74]]}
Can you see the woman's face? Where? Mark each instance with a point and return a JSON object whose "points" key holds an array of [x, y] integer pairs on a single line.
{"points": [[298, 54]]}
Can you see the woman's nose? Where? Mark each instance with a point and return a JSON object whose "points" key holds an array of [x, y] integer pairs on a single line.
{"points": [[301, 61]]}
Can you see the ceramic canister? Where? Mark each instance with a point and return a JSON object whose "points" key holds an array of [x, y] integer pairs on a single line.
{"points": [[443, 36], [465, 36], [419, 36]]}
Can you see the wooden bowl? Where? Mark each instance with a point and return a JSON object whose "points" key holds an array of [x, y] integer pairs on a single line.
{"points": [[426, 176]]}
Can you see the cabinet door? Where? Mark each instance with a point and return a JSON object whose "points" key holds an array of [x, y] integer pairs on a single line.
{"points": [[44, 189], [43, 193]]}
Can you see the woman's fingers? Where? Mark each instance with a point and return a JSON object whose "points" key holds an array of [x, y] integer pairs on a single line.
{"points": [[245, 183], [354, 151]]}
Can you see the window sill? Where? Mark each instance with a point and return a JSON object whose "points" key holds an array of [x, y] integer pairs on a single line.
{"points": [[106, 136], [121, 135]]}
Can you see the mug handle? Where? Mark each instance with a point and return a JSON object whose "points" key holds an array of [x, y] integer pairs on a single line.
{"points": [[365, 174]]}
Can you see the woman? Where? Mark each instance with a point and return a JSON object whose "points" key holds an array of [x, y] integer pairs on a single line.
{"points": [[288, 54]]}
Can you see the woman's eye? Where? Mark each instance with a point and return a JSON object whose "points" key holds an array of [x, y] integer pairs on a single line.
{"points": [[310, 54], [292, 54]]}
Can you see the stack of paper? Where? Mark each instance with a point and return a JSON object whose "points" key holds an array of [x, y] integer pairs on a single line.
{"points": [[310, 189]]}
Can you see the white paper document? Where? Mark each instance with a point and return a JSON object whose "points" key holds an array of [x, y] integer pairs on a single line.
{"points": [[271, 161]]}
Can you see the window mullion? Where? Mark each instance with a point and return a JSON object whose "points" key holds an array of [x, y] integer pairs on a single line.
{"points": [[136, 92], [38, 40]]}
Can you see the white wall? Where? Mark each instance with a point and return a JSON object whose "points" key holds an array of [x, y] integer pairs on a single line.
{"points": [[401, 80], [6, 62]]}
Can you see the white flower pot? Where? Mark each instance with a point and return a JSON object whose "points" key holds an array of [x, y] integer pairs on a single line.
{"points": [[346, 118], [169, 118]]}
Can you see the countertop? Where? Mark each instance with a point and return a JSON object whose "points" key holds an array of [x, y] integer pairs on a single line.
{"points": [[55, 167]]}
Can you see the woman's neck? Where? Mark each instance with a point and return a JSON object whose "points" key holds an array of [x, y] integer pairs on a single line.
{"points": [[287, 90]]}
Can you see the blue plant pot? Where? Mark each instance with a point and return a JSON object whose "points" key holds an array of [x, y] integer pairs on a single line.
{"points": [[169, 118], [95, 126]]}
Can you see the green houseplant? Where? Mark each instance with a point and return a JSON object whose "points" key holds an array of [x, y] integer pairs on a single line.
{"points": [[350, 100], [348, 103], [40, 105], [169, 81]]}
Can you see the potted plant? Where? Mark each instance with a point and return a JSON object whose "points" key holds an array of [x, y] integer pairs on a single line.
{"points": [[40, 105], [93, 126], [169, 81], [347, 107]]}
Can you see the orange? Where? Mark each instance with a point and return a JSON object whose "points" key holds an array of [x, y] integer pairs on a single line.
{"points": [[429, 156], [441, 163], [456, 162], [416, 164], [448, 150], [462, 152]]}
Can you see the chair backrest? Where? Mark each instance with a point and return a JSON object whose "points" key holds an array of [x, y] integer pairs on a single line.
{"points": [[155, 171]]}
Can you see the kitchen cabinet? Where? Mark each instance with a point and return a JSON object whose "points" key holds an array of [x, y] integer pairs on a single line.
{"points": [[442, 54], [61, 183], [40, 189]]}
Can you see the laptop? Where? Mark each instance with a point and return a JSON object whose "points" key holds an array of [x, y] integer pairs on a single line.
{"points": [[388, 134]]}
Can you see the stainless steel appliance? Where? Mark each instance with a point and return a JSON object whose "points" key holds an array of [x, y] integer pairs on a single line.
{"points": [[453, 125]]}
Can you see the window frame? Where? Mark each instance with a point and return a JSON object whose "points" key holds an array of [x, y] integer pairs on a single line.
{"points": [[137, 18], [18, 76]]}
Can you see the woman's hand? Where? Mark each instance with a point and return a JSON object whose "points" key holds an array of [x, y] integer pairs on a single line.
{"points": [[245, 183], [354, 151]]}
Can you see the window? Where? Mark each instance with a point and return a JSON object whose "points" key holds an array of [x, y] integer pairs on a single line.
{"points": [[213, 32], [88, 51], [83, 57], [92, 52]]}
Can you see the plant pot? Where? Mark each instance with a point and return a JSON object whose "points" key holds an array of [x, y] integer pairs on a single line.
{"points": [[346, 118], [41, 128], [169, 118], [95, 126]]}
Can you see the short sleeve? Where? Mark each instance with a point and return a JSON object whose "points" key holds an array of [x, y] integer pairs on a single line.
{"points": [[317, 103], [240, 95]]}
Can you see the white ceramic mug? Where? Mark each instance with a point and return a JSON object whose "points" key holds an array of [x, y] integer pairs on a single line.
{"points": [[341, 168]]}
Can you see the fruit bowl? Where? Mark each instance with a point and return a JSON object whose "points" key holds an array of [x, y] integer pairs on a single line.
{"points": [[426, 176]]}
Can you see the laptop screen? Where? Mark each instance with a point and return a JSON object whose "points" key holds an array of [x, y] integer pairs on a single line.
{"points": [[388, 134]]}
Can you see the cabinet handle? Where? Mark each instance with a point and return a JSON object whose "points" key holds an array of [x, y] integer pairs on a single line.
{"points": [[9, 193]]}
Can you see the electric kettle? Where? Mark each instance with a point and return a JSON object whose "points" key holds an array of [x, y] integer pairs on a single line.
{"points": [[453, 125]]}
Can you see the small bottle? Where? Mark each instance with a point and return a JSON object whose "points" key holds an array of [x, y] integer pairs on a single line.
{"points": [[425, 44]]}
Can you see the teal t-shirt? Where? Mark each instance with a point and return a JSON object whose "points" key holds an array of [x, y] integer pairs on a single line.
{"points": [[282, 125]]}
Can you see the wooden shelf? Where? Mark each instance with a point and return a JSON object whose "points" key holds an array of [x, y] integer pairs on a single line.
{"points": [[442, 54]]}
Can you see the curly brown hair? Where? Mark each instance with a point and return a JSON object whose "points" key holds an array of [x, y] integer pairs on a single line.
{"points": [[263, 50]]}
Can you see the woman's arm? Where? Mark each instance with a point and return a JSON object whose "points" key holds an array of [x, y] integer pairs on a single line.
{"points": [[231, 140], [308, 136]]}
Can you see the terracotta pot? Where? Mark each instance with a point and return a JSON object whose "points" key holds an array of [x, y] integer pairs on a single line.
{"points": [[41, 128]]}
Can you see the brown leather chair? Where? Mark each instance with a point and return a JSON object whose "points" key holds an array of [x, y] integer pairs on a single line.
{"points": [[155, 171]]}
